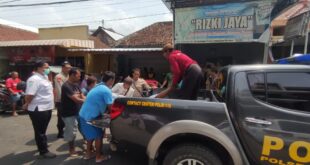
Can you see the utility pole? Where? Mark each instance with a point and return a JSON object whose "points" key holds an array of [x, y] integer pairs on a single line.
{"points": [[307, 34]]}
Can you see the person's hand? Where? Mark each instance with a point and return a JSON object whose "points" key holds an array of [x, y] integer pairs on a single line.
{"points": [[25, 106]]}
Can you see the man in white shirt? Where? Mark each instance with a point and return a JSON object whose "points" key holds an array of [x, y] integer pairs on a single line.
{"points": [[39, 103], [123, 89]]}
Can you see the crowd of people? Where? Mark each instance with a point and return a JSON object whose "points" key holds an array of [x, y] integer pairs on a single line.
{"points": [[77, 102], [80, 101]]}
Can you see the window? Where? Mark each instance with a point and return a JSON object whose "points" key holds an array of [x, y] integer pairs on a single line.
{"points": [[287, 90], [257, 85]]}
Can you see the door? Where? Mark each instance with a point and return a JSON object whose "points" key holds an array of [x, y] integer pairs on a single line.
{"points": [[273, 113]]}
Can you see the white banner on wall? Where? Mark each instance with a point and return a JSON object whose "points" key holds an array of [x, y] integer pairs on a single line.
{"points": [[234, 22]]}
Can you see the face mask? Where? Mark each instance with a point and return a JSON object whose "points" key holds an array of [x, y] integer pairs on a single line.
{"points": [[46, 71]]}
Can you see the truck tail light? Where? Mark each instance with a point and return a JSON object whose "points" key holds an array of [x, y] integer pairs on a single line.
{"points": [[116, 110]]}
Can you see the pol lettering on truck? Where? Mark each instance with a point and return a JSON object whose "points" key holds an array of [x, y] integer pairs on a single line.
{"points": [[274, 144]]}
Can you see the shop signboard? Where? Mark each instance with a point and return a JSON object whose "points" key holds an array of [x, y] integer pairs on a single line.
{"points": [[230, 22], [28, 55]]}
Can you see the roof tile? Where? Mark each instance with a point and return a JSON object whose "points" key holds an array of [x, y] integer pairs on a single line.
{"points": [[8, 33], [155, 35]]}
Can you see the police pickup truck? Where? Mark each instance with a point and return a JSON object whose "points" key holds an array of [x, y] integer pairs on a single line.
{"points": [[263, 118]]}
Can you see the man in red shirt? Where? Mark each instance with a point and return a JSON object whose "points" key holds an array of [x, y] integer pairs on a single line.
{"points": [[183, 68], [11, 85]]}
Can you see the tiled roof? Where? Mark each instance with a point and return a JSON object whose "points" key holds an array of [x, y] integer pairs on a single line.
{"points": [[295, 10], [8, 33], [98, 43], [155, 35], [67, 43]]}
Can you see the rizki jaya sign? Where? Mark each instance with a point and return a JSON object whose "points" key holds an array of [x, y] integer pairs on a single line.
{"points": [[235, 22]]}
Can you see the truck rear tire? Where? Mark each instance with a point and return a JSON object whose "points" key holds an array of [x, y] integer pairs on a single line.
{"points": [[191, 154]]}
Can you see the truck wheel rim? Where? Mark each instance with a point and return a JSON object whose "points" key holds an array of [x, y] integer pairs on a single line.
{"points": [[190, 162]]}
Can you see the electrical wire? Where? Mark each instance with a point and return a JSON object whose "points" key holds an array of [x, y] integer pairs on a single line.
{"points": [[79, 7], [105, 14], [44, 4], [9, 1], [98, 21]]}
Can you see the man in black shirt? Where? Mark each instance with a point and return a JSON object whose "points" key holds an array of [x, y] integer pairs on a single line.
{"points": [[72, 99]]}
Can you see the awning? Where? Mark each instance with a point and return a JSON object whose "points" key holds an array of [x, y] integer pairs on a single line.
{"points": [[295, 10], [111, 50], [67, 43]]}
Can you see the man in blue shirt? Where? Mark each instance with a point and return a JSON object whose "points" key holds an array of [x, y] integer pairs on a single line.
{"points": [[98, 100]]}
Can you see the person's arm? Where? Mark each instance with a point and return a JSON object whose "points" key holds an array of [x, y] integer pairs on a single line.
{"points": [[145, 85], [74, 96], [109, 107], [164, 83], [108, 99], [165, 92], [176, 78], [28, 99], [130, 92], [77, 98], [82, 96], [31, 90], [58, 83]]}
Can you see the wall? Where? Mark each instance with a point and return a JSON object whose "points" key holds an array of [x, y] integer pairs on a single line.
{"points": [[225, 53], [72, 32], [4, 62], [98, 63]]}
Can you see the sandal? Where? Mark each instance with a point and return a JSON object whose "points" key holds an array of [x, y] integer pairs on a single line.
{"points": [[104, 158], [74, 154], [88, 157]]}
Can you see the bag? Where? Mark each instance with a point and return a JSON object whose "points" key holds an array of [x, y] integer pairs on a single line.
{"points": [[101, 122]]}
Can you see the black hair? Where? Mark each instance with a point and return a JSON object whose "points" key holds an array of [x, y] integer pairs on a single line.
{"points": [[73, 71], [39, 64], [135, 70], [108, 75], [90, 80]]}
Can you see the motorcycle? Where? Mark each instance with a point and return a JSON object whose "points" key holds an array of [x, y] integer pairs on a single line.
{"points": [[5, 98]]}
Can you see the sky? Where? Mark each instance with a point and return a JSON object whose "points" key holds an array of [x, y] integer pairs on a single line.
{"points": [[123, 16]]}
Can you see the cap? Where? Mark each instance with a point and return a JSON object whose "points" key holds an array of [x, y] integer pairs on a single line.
{"points": [[65, 63]]}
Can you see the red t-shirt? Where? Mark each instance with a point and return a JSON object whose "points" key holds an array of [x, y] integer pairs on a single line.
{"points": [[179, 62], [12, 84]]}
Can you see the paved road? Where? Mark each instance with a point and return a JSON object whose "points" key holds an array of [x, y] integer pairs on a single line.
{"points": [[17, 146]]}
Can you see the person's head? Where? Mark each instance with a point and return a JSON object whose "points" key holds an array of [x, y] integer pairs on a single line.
{"points": [[150, 75], [108, 78], [86, 76], [74, 75], [14, 74], [91, 82], [167, 49], [65, 67], [136, 74], [214, 72], [127, 82], [42, 67]]}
